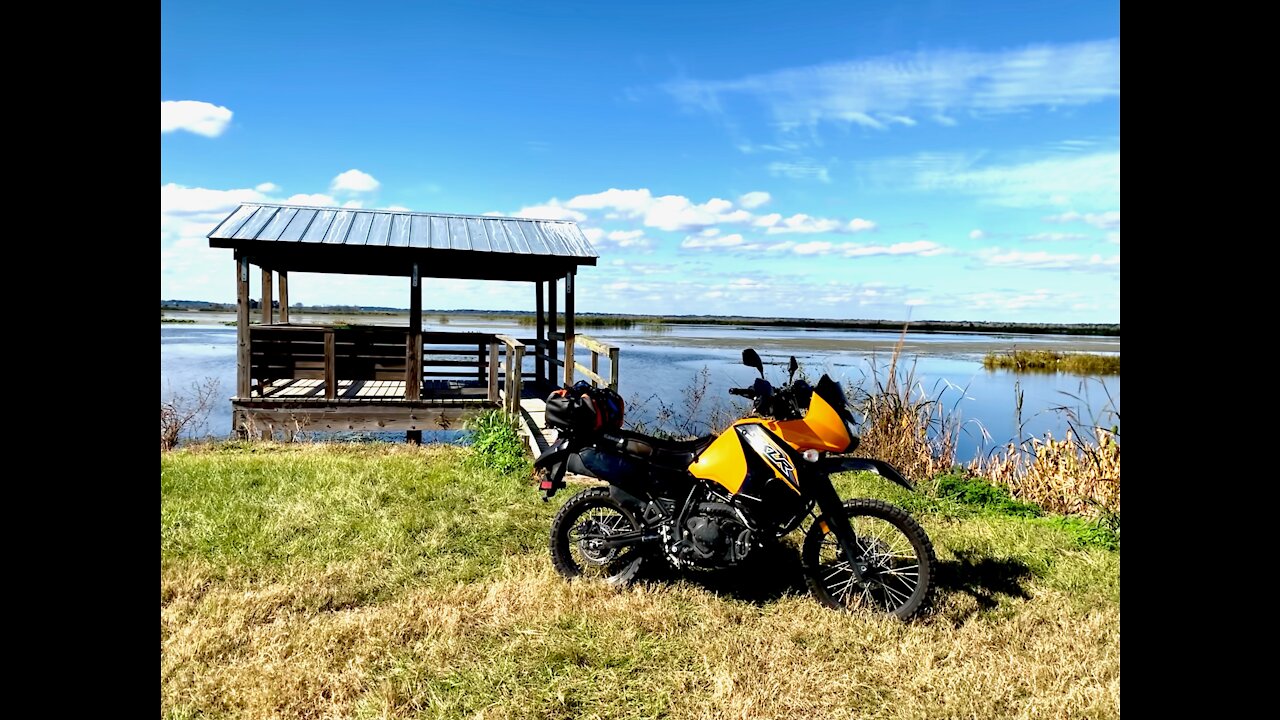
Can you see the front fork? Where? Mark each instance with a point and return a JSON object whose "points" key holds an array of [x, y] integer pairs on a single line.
{"points": [[824, 493]]}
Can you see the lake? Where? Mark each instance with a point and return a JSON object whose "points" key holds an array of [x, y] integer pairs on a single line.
{"points": [[659, 364]]}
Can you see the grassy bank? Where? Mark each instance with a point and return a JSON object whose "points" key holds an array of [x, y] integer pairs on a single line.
{"points": [[394, 581], [1051, 361]]}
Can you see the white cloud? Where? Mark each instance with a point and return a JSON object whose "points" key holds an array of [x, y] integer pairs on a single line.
{"points": [[894, 89], [1041, 260], [401, 208], [976, 234], [201, 118], [312, 199], [817, 247], [800, 170], [755, 199], [550, 211], [727, 241], [354, 181], [1056, 237], [801, 223], [179, 200], [634, 239], [1102, 221], [666, 212], [1114, 237], [266, 187]]}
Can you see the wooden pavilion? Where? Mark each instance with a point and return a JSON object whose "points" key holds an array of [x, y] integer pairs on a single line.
{"points": [[292, 377]]}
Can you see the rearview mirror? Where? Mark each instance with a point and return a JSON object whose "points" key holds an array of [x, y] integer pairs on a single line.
{"points": [[792, 367], [751, 358]]}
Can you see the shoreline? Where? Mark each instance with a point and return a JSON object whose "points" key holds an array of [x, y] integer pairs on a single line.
{"points": [[585, 320]]}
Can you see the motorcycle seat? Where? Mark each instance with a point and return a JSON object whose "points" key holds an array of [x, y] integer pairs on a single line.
{"points": [[661, 451]]}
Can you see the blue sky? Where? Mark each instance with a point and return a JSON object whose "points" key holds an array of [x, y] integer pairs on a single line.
{"points": [[938, 160]]}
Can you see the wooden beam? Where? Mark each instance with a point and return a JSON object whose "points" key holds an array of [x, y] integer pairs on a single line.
{"points": [[267, 314], [330, 365], [552, 351], [242, 327], [284, 296], [493, 371], [613, 369], [540, 365], [568, 329], [413, 357]]}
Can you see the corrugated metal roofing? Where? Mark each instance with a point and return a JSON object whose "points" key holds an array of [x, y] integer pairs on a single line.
{"points": [[264, 222]]}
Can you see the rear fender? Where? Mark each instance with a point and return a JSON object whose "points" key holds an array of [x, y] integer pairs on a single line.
{"points": [[838, 464], [554, 462]]}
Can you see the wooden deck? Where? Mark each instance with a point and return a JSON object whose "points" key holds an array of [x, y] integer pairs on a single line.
{"points": [[370, 391]]}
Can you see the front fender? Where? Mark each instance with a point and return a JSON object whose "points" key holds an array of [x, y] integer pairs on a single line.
{"points": [[837, 464]]}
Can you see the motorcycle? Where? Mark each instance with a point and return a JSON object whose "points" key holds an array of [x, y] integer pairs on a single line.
{"points": [[714, 502]]}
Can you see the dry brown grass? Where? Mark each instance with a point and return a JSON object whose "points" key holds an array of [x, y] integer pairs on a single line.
{"points": [[1072, 475], [414, 585], [526, 644]]}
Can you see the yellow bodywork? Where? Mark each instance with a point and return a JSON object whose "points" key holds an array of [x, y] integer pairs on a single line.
{"points": [[820, 429]]}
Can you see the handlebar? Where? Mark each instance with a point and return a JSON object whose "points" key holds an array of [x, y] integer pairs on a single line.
{"points": [[744, 392]]}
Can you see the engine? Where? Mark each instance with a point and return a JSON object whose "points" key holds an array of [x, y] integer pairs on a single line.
{"points": [[713, 536]]}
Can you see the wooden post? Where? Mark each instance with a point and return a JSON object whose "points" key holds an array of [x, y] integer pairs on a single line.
{"points": [[493, 371], [553, 372], [595, 363], [539, 364], [613, 369], [568, 329], [506, 385], [267, 314], [284, 296], [480, 363], [413, 350], [517, 384], [330, 365], [242, 328]]}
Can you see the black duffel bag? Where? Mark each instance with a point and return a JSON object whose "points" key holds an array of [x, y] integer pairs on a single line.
{"points": [[584, 409]]}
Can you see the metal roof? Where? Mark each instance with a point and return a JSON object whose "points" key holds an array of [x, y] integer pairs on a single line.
{"points": [[256, 223]]}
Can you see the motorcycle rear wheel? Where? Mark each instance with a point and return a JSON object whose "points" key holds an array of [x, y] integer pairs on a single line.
{"points": [[581, 523], [896, 553]]}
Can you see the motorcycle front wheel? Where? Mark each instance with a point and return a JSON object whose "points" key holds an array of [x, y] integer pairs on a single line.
{"points": [[578, 532], [895, 557]]}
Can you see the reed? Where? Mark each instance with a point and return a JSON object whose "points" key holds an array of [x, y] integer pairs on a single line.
{"points": [[1051, 361]]}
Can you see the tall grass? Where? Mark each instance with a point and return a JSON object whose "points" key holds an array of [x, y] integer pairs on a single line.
{"points": [[914, 430], [902, 423], [1051, 361]]}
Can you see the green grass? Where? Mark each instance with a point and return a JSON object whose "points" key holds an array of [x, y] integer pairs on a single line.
{"points": [[1051, 361], [164, 320], [373, 581]]}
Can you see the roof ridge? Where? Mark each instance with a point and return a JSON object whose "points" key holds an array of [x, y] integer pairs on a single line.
{"points": [[402, 212]]}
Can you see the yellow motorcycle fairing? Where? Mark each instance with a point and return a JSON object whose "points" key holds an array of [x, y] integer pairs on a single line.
{"points": [[725, 462]]}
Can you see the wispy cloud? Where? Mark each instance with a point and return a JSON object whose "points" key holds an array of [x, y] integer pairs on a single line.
{"points": [[194, 116], [803, 169], [1041, 260], [1055, 237], [1078, 179], [937, 85], [1102, 221]]}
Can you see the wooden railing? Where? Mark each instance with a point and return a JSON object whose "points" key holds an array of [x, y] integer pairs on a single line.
{"points": [[514, 372], [597, 349]]}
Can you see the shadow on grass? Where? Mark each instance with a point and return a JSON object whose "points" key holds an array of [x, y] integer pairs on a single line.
{"points": [[776, 572], [769, 574], [985, 579]]}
